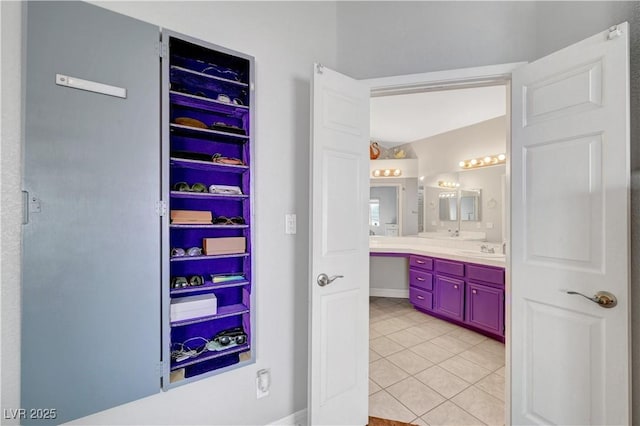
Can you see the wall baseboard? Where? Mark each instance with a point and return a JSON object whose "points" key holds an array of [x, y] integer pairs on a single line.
{"points": [[299, 418], [389, 292]]}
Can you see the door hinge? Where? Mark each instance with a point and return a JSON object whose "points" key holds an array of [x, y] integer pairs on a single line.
{"points": [[161, 208], [614, 32], [160, 368], [161, 49], [319, 68]]}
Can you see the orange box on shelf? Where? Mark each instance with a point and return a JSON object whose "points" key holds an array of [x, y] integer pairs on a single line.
{"points": [[194, 217], [224, 245]]}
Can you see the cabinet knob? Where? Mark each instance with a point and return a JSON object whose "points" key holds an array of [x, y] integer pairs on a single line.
{"points": [[474, 291], [455, 286]]}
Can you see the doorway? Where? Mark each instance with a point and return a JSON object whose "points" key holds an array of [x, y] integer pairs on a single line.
{"points": [[411, 352]]}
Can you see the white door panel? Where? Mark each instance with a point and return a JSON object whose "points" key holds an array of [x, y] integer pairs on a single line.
{"points": [[339, 312], [570, 229]]}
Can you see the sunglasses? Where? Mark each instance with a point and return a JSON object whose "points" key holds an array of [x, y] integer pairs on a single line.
{"points": [[225, 189], [184, 282], [184, 187], [218, 71], [233, 335], [179, 252], [223, 220]]}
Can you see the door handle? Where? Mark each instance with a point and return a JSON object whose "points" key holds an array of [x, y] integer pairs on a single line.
{"points": [[324, 279], [602, 298]]}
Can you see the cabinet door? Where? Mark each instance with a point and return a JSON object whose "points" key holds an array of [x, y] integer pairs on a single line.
{"points": [[91, 267], [449, 294], [485, 308]]}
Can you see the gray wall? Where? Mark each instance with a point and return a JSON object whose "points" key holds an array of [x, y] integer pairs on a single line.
{"points": [[390, 274], [390, 38]]}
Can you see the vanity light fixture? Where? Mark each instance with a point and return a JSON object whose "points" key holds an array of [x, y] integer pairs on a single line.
{"points": [[386, 173], [489, 160], [444, 184], [447, 195]]}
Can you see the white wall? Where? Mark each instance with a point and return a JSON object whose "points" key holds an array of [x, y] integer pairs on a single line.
{"points": [[286, 38]]}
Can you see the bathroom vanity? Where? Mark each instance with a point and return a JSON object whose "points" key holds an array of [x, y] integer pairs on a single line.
{"points": [[459, 285]]}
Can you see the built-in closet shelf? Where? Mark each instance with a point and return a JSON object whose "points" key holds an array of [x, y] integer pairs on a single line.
{"points": [[207, 104], [195, 258], [208, 227], [193, 73], [184, 194], [206, 132], [209, 355], [208, 286], [223, 312], [206, 165]]}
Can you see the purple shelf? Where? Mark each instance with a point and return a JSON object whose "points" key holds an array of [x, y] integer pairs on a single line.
{"points": [[223, 312], [218, 256], [209, 355], [197, 130], [208, 286], [208, 226], [184, 194], [201, 102], [207, 76], [206, 165]]}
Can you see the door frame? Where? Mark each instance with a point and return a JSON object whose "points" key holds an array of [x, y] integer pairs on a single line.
{"points": [[399, 201], [491, 75]]}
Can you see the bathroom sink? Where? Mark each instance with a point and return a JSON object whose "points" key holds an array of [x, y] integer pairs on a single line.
{"points": [[478, 253]]}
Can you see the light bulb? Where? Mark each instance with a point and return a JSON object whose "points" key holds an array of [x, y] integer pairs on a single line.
{"points": [[462, 164], [397, 172], [474, 162], [502, 157], [487, 159], [376, 173], [387, 172]]}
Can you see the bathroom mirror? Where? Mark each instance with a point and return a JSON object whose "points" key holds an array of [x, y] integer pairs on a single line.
{"points": [[470, 205], [384, 210], [448, 205]]}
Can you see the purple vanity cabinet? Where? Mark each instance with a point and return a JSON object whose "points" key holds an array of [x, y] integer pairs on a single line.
{"points": [[485, 308], [449, 294], [421, 282]]}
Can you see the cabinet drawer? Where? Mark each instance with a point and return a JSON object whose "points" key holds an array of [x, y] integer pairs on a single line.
{"points": [[420, 279], [421, 262], [420, 298], [450, 267], [486, 274]]}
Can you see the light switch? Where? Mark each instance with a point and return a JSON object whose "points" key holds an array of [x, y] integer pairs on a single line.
{"points": [[289, 223]]}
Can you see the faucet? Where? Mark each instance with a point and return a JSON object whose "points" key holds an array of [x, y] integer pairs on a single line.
{"points": [[455, 233], [485, 249], [371, 232]]}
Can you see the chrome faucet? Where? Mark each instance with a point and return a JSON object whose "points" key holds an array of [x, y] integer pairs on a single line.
{"points": [[455, 233], [486, 249]]}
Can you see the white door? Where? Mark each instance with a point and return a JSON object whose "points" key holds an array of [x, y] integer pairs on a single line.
{"points": [[570, 230], [339, 314]]}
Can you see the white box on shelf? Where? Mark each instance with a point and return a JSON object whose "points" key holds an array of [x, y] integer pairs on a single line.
{"points": [[185, 308]]}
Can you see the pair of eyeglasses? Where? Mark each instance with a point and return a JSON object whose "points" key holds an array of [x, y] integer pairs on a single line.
{"points": [[184, 282], [225, 189], [219, 71], [179, 252], [233, 335], [219, 158], [227, 99], [223, 220], [185, 187]]}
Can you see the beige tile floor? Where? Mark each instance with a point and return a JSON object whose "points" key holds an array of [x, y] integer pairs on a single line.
{"points": [[426, 371]]}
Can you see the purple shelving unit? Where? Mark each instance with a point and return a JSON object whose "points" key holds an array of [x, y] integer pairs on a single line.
{"points": [[212, 85]]}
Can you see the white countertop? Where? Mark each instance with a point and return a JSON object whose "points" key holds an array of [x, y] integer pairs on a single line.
{"points": [[461, 251]]}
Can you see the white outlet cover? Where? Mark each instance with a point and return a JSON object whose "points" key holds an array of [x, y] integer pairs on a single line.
{"points": [[290, 225]]}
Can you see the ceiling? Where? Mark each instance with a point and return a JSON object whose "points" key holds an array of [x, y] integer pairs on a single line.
{"points": [[405, 118]]}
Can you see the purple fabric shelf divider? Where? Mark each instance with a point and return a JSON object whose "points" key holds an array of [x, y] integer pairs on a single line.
{"points": [[178, 69], [209, 355], [194, 101], [209, 226], [179, 194], [208, 285], [207, 165], [223, 311], [197, 130], [218, 256]]}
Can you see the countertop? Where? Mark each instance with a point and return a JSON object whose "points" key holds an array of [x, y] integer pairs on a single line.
{"points": [[461, 251]]}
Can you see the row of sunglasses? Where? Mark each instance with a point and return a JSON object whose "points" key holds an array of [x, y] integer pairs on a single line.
{"points": [[198, 280]]}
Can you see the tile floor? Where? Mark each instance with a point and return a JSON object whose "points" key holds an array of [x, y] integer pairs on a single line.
{"points": [[427, 371]]}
